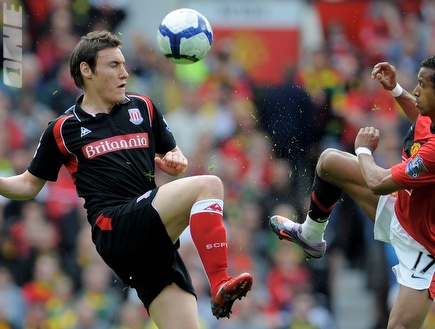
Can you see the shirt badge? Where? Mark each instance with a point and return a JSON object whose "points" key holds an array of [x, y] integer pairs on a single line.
{"points": [[135, 116], [415, 167]]}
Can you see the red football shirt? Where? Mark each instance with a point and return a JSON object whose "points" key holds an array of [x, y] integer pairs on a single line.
{"points": [[415, 206]]}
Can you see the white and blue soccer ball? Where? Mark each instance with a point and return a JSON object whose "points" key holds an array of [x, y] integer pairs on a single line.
{"points": [[184, 36]]}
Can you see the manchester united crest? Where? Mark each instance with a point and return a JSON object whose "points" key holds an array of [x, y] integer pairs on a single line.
{"points": [[415, 147]]}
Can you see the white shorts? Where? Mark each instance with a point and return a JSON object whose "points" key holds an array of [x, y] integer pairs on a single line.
{"points": [[416, 266]]}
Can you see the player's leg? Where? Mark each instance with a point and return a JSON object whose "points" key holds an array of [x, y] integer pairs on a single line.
{"points": [[175, 199], [198, 201], [336, 172], [174, 308], [410, 309], [341, 169]]}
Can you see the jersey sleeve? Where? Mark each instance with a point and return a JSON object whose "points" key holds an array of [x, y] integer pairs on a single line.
{"points": [[47, 159], [165, 140], [418, 170]]}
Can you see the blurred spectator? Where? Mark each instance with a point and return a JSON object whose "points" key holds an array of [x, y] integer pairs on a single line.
{"points": [[409, 50], [280, 188], [12, 305], [11, 133], [32, 116], [243, 157], [107, 14], [241, 253], [59, 91], [131, 316], [36, 316], [82, 256], [287, 115], [61, 311], [56, 42], [61, 197], [34, 236], [196, 143], [28, 109], [381, 25], [200, 283], [99, 294], [320, 77], [45, 276], [366, 104], [152, 74], [225, 84], [427, 12], [39, 12], [285, 279], [307, 315], [249, 315], [87, 317], [337, 42]]}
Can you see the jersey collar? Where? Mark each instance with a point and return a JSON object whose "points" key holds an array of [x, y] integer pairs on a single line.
{"points": [[82, 115]]}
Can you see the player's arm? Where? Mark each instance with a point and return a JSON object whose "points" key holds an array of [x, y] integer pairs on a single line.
{"points": [[407, 103], [173, 162], [379, 180], [385, 73], [21, 187]]}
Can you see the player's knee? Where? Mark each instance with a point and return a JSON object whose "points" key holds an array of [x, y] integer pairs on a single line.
{"points": [[213, 185], [326, 160]]}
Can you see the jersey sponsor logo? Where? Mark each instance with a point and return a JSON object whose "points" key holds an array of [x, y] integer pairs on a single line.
{"points": [[84, 131], [116, 143], [216, 245], [415, 167], [135, 116]]}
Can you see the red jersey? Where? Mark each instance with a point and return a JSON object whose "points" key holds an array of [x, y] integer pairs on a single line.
{"points": [[415, 206]]}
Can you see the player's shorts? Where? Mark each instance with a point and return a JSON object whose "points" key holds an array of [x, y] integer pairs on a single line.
{"points": [[416, 266], [133, 241]]}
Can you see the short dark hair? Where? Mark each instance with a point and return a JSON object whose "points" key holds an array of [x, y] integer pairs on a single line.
{"points": [[87, 50], [429, 63]]}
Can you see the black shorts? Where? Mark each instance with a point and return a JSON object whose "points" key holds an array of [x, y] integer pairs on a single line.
{"points": [[135, 244]]}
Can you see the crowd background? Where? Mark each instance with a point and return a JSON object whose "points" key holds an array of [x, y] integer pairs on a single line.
{"points": [[262, 140]]}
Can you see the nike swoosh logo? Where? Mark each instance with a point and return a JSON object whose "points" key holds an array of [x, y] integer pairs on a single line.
{"points": [[282, 232], [416, 276]]}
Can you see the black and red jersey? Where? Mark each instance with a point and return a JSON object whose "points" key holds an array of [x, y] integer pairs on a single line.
{"points": [[109, 156]]}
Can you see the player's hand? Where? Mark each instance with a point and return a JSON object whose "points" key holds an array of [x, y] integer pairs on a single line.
{"points": [[368, 137], [385, 73], [173, 163]]}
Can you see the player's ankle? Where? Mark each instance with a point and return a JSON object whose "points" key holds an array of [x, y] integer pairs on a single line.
{"points": [[312, 230]]}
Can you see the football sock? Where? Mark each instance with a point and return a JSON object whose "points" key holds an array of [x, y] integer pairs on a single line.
{"points": [[323, 198], [312, 230], [210, 239]]}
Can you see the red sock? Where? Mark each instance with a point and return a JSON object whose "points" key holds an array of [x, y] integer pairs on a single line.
{"points": [[210, 239]]}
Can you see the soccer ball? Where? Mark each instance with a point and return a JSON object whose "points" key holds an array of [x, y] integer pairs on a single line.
{"points": [[184, 36]]}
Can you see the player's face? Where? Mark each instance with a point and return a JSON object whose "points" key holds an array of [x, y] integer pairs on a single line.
{"points": [[424, 93], [109, 77]]}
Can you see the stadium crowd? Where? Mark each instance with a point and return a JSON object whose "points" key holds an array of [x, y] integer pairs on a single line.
{"points": [[262, 141]]}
